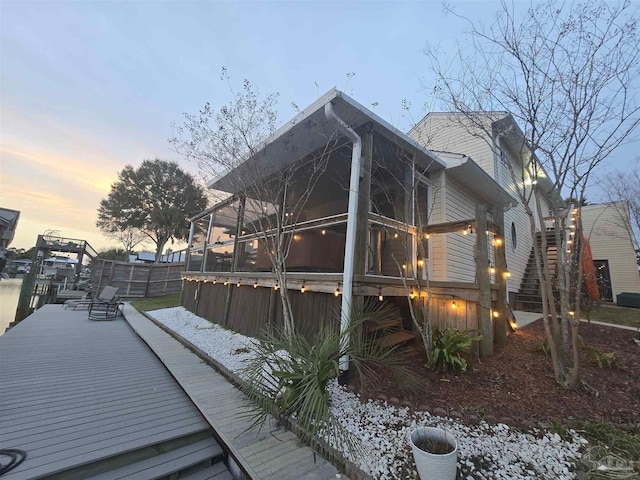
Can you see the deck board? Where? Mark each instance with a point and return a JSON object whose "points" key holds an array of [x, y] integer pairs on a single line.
{"points": [[75, 391], [266, 455]]}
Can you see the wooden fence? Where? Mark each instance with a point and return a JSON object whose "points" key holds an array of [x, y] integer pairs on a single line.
{"points": [[137, 280]]}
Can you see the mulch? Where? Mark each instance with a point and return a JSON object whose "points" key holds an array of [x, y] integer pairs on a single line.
{"points": [[516, 384]]}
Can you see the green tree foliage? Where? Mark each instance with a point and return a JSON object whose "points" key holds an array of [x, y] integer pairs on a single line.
{"points": [[157, 198], [117, 254]]}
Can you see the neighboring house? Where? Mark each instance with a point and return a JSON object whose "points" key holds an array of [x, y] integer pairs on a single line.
{"points": [[497, 145], [607, 226], [407, 193], [8, 224]]}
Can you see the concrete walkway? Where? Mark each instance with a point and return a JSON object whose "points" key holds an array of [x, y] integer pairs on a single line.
{"points": [[526, 318], [273, 453]]}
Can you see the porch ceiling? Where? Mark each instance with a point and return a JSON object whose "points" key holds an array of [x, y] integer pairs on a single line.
{"points": [[309, 131]]}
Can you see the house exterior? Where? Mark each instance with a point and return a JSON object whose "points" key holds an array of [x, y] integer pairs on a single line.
{"points": [[607, 225], [359, 232], [8, 224], [496, 144]]}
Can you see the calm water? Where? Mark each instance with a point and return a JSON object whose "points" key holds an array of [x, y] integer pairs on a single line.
{"points": [[9, 293]]}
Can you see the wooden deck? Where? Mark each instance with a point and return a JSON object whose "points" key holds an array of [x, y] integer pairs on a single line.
{"points": [[271, 454], [75, 393]]}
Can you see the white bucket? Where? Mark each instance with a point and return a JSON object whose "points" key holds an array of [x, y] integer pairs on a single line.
{"points": [[433, 466]]}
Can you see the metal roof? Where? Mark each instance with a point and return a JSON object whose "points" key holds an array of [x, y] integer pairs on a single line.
{"points": [[309, 131]]}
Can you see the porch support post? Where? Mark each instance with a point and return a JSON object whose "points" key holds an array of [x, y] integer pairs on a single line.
{"points": [[234, 258], [364, 200], [205, 253], [500, 322], [484, 282]]}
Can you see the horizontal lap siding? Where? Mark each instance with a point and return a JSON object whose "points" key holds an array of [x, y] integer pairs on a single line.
{"points": [[460, 248], [446, 133], [437, 242], [611, 241]]}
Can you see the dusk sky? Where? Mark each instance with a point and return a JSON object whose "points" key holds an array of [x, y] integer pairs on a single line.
{"points": [[88, 87]]}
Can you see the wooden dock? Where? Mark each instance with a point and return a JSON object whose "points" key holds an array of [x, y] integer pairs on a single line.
{"points": [[271, 454], [89, 399]]}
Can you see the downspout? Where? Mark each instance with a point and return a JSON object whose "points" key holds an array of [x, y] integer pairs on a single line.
{"points": [[350, 242]]}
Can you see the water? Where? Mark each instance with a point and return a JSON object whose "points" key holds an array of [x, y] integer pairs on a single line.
{"points": [[9, 294]]}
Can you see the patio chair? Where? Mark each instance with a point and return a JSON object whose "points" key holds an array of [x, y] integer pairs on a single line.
{"points": [[107, 294], [105, 310]]}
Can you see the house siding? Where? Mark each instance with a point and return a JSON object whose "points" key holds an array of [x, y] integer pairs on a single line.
{"points": [[450, 133], [460, 254], [437, 243], [611, 241]]}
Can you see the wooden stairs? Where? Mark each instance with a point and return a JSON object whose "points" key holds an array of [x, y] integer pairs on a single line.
{"points": [[529, 296], [388, 334]]}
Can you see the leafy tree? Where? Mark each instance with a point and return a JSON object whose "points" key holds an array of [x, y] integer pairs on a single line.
{"points": [[157, 198], [566, 72]]}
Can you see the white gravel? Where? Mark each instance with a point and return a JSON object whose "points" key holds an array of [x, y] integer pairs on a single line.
{"points": [[484, 451]]}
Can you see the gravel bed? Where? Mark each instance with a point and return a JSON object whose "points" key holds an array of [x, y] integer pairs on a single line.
{"points": [[484, 451]]}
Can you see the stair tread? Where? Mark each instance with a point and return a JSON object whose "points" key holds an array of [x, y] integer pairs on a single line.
{"points": [[396, 338], [166, 463], [372, 326]]}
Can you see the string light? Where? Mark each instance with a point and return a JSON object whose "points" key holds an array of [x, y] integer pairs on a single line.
{"points": [[226, 282], [412, 294], [454, 305], [337, 292], [380, 297], [238, 284], [255, 284], [303, 289], [420, 262], [323, 232], [276, 286], [497, 241], [395, 235], [427, 236], [496, 314], [215, 280], [506, 273], [492, 268], [404, 265], [297, 237]]}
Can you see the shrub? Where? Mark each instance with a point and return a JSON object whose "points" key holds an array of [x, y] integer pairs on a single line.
{"points": [[600, 358], [448, 345], [287, 376]]}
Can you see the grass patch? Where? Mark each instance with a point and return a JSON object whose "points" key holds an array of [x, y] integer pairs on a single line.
{"points": [[616, 315], [623, 439], [156, 303]]}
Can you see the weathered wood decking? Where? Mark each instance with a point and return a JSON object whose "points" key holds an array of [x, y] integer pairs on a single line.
{"points": [[75, 392], [271, 454]]}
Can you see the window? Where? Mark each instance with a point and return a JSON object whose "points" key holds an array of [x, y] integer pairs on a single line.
{"points": [[514, 236]]}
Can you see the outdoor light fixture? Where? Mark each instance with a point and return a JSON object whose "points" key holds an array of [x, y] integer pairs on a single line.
{"points": [[572, 313], [412, 295], [420, 262], [497, 241], [303, 289], [255, 284], [467, 230], [496, 314], [276, 286], [380, 297], [337, 292], [323, 231], [226, 282], [238, 284], [215, 280], [454, 305], [506, 273], [427, 236], [297, 237]]}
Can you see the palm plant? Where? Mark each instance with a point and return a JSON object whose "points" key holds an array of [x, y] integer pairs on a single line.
{"points": [[287, 376]]}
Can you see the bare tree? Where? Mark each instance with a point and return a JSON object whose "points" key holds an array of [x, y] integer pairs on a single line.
{"points": [[565, 74], [272, 194], [402, 191]]}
